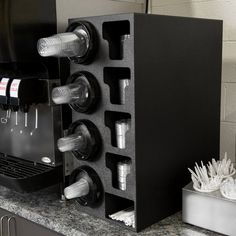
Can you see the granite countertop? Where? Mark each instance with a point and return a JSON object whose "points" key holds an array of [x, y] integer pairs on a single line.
{"points": [[46, 208]]}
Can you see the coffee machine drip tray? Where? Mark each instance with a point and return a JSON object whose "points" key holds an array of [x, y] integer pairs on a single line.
{"points": [[27, 176]]}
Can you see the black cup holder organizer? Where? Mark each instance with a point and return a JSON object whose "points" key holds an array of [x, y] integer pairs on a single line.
{"points": [[132, 171], [109, 124]]}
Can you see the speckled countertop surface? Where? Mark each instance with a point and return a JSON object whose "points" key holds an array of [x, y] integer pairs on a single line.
{"points": [[45, 208]]}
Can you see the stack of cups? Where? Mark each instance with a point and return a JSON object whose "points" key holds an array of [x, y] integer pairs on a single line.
{"points": [[123, 169], [123, 38], [122, 127], [123, 85]]}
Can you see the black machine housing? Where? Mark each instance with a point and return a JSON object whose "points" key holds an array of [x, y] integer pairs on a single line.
{"points": [[30, 123]]}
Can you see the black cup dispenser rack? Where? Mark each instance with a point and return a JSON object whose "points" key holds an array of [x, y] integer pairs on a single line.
{"points": [[144, 92], [29, 122]]}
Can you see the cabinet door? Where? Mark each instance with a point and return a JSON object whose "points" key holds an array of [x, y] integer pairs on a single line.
{"points": [[12, 225]]}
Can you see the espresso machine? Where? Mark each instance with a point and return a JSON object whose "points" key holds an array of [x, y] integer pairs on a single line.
{"points": [[144, 95], [30, 125]]}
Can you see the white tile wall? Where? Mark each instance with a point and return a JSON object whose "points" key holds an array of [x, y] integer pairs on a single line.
{"points": [[215, 9], [175, 2], [228, 102], [71, 9], [229, 71], [134, 1], [228, 139]]}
